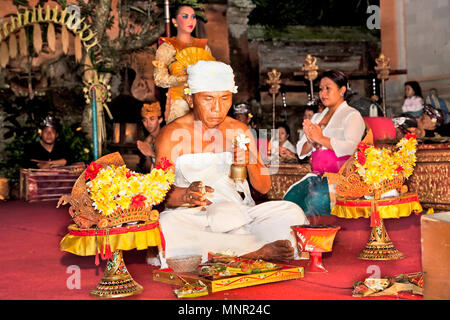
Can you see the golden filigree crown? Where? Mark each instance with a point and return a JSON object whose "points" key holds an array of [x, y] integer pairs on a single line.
{"points": [[87, 213], [372, 171]]}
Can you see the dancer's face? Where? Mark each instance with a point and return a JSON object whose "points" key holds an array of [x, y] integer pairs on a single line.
{"points": [[186, 20], [211, 108], [330, 94]]}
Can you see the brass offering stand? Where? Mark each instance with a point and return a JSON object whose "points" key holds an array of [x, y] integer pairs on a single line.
{"points": [[383, 69], [379, 246], [116, 282]]}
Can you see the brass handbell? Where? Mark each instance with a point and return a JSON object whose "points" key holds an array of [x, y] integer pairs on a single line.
{"points": [[238, 173]]}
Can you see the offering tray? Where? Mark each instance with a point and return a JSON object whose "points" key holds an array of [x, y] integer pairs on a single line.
{"points": [[232, 277]]}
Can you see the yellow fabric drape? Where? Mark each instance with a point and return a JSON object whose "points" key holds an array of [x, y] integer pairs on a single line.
{"points": [[87, 245], [387, 209]]}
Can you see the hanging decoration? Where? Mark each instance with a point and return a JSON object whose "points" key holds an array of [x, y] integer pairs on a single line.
{"points": [[86, 44]]}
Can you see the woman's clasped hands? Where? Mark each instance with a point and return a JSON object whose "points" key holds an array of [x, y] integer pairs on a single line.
{"points": [[312, 131]]}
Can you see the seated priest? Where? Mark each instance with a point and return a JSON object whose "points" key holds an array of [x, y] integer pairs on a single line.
{"points": [[48, 152], [207, 211]]}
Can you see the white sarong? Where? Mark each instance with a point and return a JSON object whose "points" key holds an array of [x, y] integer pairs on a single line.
{"points": [[230, 224]]}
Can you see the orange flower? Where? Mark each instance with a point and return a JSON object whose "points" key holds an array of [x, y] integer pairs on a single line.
{"points": [[92, 170]]}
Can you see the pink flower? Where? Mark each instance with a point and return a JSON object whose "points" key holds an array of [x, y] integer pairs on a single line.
{"points": [[92, 170]]}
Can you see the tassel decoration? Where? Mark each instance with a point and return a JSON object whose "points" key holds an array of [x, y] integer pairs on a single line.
{"points": [[375, 215], [12, 46], [23, 43], [65, 39], [37, 38], [4, 54], [97, 259], [78, 49], [51, 38]]}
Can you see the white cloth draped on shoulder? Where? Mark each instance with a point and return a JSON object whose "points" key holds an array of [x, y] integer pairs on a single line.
{"points": [[230, 224]]}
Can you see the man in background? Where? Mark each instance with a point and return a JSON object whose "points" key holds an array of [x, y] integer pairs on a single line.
{"points": [[151, 119], [47, 153]]}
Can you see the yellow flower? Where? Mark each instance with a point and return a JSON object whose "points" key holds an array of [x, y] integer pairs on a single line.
{"points": [[114, 187]]}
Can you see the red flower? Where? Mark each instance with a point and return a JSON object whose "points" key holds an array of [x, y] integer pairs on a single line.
{"points": [[92, 170], [163, 164], [361, 157], [399, 168], [129, 174], [410, 136], [363, 146], [138, 201]]}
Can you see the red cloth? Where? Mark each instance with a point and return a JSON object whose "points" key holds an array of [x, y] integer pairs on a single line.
{"points": [[33, 266]]}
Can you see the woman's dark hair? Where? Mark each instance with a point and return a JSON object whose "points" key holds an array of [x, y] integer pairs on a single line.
{"points": [[198, 9], [176, 8], [416, 88], [340, 79], [285, 126], [314, 108]]}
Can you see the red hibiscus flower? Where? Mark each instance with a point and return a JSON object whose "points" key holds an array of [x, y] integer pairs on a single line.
{"points": [[129, 174], [138, 201], [363, 146], [410, 136], [92, 170], [399, 168], [163, 164], [361, 157]]}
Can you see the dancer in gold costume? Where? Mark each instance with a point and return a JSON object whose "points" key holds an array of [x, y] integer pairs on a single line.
{"points": [[172, 58]]}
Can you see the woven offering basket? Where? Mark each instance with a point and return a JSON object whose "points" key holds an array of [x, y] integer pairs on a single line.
{"points": [[184, 263]]}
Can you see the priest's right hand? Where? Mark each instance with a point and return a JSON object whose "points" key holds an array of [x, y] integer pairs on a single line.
{"points": [[196, 194]]}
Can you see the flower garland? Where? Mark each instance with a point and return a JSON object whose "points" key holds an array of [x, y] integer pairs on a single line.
{"points": [[112, 188], [377, 165]]}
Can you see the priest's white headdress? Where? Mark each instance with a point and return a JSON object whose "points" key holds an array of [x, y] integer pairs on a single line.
{"points": [[206, 76]]}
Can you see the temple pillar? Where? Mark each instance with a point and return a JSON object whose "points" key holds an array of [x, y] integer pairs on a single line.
{"points": [[414, 35], [393, 45]]}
